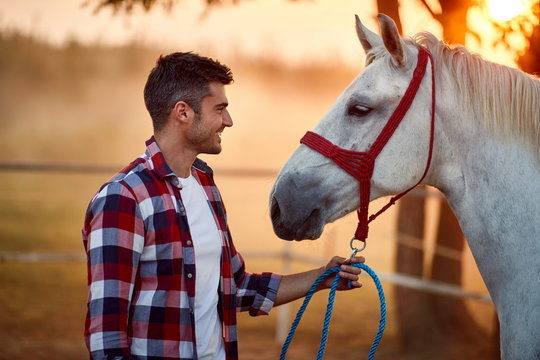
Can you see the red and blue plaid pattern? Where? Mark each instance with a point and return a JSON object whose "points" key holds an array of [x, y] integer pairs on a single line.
{"points": [[141, 270]]}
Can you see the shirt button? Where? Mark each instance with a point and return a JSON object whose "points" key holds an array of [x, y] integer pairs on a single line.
{"points": [[182, 209], [188, 242], [190, 275], [176, 182]]}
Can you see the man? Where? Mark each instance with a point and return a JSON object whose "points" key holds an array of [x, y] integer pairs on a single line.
{"points": [[164, 278]]}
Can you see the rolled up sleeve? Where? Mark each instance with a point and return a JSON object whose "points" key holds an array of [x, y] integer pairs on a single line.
{"points": [[255, 293]]}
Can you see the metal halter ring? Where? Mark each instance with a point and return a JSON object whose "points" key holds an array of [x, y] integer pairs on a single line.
{"points": [[356, 250]]}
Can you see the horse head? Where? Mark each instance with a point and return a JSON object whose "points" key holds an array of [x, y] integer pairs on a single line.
{"points": [[311, 190]]}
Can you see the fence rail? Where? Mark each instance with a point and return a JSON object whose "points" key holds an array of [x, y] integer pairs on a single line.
{"points": [[286, 256], [111, 169]]}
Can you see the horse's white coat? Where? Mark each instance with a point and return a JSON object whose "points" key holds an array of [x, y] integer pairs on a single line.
{"points": [[492, 184]]}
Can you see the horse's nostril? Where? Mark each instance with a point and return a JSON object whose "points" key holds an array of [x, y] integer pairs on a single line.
{"points": [[275, 211]]}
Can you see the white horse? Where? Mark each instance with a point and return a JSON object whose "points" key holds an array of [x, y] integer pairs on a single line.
{"points": [[486, 160]]}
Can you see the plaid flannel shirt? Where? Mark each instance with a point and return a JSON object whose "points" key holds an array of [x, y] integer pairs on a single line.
{"points": [[141, 270]]}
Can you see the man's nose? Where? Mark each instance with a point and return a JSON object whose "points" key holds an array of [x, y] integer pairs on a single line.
{"points": [[227, 120]]}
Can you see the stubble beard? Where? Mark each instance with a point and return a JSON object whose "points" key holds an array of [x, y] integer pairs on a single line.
{"points": [[203, 139]]}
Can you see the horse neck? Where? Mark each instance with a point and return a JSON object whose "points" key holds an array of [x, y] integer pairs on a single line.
{"points": [[496, 189], [493, 186]]}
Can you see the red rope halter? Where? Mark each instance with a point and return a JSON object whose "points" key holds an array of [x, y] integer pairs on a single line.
{"points": [[360, 164]]}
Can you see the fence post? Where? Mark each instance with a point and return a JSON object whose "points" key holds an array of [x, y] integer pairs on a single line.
{"points": [[284, 311]]}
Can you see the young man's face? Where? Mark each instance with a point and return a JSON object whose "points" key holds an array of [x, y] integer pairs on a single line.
{"points": [[206, 129]]}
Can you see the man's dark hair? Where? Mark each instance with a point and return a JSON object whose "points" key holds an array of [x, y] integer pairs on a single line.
{"points": [[181, 77]]}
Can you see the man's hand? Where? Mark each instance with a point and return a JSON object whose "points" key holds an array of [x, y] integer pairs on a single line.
{"points": [[346, 273], [295, 286]]}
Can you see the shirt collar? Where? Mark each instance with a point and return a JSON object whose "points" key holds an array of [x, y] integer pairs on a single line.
{"points": [[161, 168]]}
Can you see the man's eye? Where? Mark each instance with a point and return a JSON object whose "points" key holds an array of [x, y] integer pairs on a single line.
{"points": [[359, 110]]}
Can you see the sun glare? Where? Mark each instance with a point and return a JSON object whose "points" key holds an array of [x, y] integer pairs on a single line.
{"points": [[504, 10]]}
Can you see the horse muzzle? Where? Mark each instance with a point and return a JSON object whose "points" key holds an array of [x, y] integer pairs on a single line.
{"points": [[288, 226]]}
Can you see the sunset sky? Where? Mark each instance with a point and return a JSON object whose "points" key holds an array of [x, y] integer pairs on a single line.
{"points": [[298, 32]]}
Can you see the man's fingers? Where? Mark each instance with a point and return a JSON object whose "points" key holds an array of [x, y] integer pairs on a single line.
{"points": [[354, 260], [357, 259], [350, 269], [348, 275]]}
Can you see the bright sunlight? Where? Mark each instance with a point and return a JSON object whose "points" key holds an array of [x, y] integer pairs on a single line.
{"points": [[504, 10]]}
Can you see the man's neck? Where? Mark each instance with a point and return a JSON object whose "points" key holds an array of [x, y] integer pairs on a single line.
{"points": [[176, 155]]}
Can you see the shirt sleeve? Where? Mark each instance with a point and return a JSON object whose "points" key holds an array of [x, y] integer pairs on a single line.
{"points": [[114, 239], [255, 293]]}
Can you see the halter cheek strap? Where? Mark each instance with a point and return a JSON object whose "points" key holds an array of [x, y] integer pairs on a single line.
{"points": [[360, 164]]}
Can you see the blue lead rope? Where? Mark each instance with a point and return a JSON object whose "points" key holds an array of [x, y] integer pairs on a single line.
{"points": [[329, 307]]}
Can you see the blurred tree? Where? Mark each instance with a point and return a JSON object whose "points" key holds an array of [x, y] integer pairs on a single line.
{"points": [[128, 5], [530, 60], [528, 25], [453, 18], [390, 8]]}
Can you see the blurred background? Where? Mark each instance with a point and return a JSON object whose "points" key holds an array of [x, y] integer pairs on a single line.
{"points": [[72, 74]]}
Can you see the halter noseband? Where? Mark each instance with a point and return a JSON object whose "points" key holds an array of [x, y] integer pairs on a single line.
{"points": [[360, 164]]}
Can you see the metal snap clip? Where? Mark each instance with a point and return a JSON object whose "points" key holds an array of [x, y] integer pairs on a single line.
{"points": [[355, 250]]}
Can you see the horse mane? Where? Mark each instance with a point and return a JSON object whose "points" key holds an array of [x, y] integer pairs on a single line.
{"points": [[505, 100]]}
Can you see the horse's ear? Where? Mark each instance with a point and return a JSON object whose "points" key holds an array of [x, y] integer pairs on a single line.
{"points": [[367, 38], [391, 39]]}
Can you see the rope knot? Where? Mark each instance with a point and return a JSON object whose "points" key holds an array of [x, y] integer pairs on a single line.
{"points": [[361, 232], [367, 165], [333, 152]]}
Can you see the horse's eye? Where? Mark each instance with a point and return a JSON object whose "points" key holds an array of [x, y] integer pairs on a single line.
{"points": [[359, 110]]}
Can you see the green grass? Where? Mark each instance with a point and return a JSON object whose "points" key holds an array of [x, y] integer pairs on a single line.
{"points": [[43, 309], [44, 212]]}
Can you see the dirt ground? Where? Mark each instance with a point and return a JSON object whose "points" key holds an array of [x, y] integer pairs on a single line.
{"points": [[43, 307]]}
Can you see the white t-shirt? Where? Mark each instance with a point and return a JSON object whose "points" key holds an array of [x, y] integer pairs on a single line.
{"points": [[207, 247]]}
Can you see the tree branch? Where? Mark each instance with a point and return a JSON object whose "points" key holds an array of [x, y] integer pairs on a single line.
{"points": [[435, 16]]}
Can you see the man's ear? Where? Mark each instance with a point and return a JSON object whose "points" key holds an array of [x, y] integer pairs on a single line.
{"points": [[182, 112]]}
